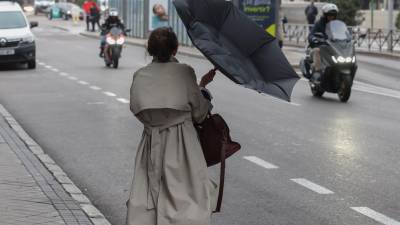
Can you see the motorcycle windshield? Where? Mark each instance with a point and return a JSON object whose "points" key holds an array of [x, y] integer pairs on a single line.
{"points": [[337, 31], [115, 31]]}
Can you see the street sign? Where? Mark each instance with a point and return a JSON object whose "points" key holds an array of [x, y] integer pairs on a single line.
{"points": [[263, 12]]}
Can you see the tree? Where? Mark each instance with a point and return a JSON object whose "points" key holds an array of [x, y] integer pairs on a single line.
{"points": [[398, 21], [349, 11]]}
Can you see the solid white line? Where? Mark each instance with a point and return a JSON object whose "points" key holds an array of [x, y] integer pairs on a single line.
{"points": [[312, 186], [72, 78], [63, 74], [109, 94], [375, 215], [83, 82], [123, 100], [95, 88], [372, 89], [260, 162]]}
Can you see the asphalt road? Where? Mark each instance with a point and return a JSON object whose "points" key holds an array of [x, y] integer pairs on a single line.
{"points": [[315, 161]]}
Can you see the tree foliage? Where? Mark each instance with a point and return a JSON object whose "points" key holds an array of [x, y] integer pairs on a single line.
{"points": [[398, 21]]}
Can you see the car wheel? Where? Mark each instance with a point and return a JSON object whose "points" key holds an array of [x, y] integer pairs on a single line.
{"points": [[32, 64]]}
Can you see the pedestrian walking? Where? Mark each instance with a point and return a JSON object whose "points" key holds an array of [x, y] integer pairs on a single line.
{"points": [[311, 13], [87, 5], [75, 13], [94, 17], [171, 185]]}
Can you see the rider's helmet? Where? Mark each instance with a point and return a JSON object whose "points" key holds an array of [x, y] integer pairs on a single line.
{"points": [[330, 10], [113, 14]]}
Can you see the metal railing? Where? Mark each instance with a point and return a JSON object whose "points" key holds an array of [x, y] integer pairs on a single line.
{"points": [[373, 40]]}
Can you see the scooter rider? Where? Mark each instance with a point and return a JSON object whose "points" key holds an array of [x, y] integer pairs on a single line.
{"points": [[112, 21], [330, 12]]}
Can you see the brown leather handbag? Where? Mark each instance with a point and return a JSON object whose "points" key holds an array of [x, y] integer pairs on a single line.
{"points": [[217, 145]]}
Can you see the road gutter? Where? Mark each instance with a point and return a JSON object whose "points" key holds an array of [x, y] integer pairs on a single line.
{"points": [[90, 210]]}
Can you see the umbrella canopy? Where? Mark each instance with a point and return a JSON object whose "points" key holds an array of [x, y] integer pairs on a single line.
{"points": [[237, 46]]}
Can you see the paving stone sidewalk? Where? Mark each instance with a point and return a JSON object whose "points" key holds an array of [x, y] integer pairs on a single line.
{"points": [[29, 193]]}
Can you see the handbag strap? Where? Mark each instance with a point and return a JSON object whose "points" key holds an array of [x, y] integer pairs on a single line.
{"points": [[221, 176]]}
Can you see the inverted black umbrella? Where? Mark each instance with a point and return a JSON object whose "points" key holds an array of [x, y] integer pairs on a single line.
{"points": [[237, 46]]}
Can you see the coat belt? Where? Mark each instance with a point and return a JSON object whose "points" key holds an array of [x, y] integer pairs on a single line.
{"points": [[155, 160]]}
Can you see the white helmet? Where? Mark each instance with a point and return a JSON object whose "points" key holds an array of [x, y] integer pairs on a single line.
{"points": [[113, 12], [330, 9]]}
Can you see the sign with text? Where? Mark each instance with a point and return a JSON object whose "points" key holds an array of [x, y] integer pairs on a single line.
{"points": [[262, 12]]}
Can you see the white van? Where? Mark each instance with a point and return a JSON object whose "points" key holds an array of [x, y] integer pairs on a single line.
{"points": [[17, 43]]}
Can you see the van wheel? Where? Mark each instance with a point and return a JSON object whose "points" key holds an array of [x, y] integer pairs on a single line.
{"points": [[32, 64]]}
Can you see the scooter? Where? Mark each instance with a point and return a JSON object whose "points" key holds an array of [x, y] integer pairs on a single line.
{"points": [[338, 62], [115, 40]]}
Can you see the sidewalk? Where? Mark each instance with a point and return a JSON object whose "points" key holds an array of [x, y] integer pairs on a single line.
{"points": [[33, 189]]}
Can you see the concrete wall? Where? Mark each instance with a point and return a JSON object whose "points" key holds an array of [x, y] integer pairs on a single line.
{"points": [[294, 11], [380, 19]]}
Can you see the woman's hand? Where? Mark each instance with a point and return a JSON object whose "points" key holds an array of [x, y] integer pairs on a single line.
{"points": [[207, 78]]}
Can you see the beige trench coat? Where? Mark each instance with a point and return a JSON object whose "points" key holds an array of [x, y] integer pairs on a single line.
{"points": [[171, 185]]}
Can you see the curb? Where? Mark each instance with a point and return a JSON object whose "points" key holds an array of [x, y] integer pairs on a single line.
{"points": [[183, 50], [96, 217]]}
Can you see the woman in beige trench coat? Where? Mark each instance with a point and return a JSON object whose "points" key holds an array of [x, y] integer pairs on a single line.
{"points": [[171, 185]]}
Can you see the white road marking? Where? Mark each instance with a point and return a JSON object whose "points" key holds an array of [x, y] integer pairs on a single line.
{"points": [[376, 216], [42, 64], [83, 82], [109, 93], [95, 88], [123, 100], [49, 67], [55, 70], [260, 162], [63, 74], [95, 103], [312, 186], [280, 101], [372, 89], [72, 78]]}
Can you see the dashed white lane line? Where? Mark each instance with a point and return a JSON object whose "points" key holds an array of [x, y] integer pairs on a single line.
{"points": [[48, 67], [72, 78], [55, 70], [109, 93], [95, 88], [376, 216], [63, 74], [83, 82], [312, 186], [261, 162], [42, 64], [123, 100]]}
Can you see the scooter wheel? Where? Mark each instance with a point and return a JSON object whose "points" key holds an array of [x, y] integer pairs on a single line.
{"points": [[316, 91], [344, 91]]}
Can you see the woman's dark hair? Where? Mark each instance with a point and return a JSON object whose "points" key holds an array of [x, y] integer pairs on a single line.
{"points": [[162, 43]]}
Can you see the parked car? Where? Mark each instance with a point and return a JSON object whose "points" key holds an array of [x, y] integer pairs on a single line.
{"points": [[17, 43], [41, 5], [63, 10]]}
